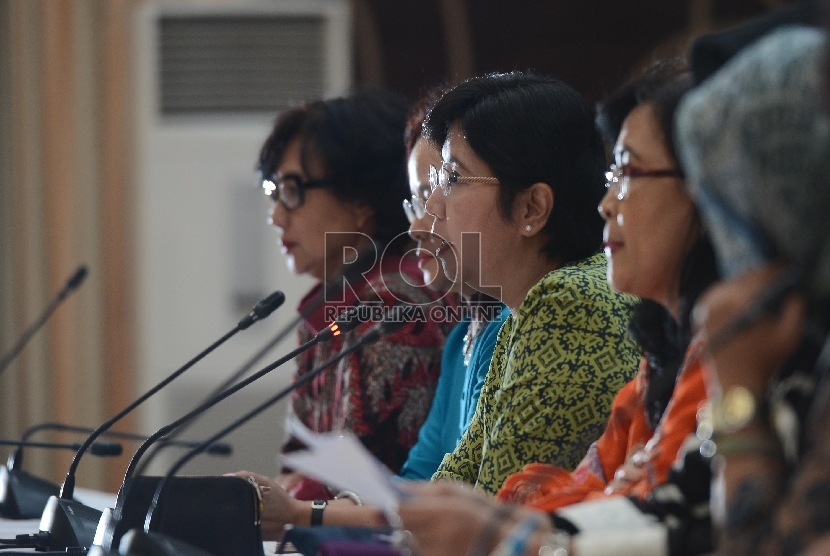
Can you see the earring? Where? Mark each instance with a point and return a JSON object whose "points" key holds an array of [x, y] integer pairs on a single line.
{"points": [[528, 228]]}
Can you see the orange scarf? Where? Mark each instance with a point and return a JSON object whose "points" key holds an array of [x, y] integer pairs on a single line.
{"points": [[629, 458]]}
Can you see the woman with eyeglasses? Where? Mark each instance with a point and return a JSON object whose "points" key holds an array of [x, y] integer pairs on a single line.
{"points": [[514, 201], [469, 346], [336, 173], [657, 250]]}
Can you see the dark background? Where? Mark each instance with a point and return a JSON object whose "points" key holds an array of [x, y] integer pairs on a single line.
{"points": [[592, 44]]}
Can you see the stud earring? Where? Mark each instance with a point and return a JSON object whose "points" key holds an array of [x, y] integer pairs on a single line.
{"points": [[528, 228]]}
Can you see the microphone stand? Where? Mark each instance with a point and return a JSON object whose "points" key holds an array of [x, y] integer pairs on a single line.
{"points": [[366, 259], [72, 284], [111, 525], [72, 524], [23, 495], [16, 459], [149, 522]]}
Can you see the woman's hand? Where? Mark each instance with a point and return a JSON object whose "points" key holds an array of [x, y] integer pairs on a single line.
{"points": [[280, 508], [626, 475], [750, 357], [747, 359], [447, 519]]}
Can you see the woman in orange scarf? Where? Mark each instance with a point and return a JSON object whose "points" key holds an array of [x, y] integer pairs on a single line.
{"points": [[657, 250]]}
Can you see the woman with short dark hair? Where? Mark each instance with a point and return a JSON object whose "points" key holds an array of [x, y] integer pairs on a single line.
{"points": [[469, 346], [335, 171], [521, 176], [657, 249]]}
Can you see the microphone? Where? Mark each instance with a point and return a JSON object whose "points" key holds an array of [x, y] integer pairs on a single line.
{"points": [[71, 285], [110, 529], [96, 449], [351, 272], [387, 326], [383, 328], [262, 310], [345, 323], [22, 495], [16, 459], [70, 523], [26, 495]]}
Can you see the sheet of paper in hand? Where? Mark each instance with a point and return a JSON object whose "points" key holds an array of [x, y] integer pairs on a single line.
{"points": [[341, 460]]}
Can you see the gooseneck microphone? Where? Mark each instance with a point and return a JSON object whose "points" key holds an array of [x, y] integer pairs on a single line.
{"points": [[381, 329], [96, 448], [71, 285], [393, 322], [23, 495], [352, 272], [262, 310], [345, 323], [70, 523], [111, 527], [15, 460]]}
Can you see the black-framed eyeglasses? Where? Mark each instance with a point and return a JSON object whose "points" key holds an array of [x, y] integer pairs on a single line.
{"points": [[289, 189], [448, 175], [618, 177], [416, 208]]}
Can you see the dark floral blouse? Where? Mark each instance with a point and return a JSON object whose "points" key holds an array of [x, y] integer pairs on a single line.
{"points": [[383, 391]]}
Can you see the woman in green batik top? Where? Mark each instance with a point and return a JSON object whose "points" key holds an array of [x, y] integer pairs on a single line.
{"points": [[523, 171]]}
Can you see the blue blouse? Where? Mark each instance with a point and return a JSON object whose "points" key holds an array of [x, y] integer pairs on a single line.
{"points": [[455, 398]]}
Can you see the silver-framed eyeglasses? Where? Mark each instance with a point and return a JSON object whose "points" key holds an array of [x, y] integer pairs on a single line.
{"points": [[618, 177], [416, 208], [289, 189], [448, 175]]}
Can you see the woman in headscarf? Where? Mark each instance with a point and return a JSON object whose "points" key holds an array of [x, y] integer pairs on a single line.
{"points": [[756, 143]]}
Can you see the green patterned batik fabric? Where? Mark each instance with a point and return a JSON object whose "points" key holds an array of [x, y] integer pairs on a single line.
{"points": [[558, 363]]}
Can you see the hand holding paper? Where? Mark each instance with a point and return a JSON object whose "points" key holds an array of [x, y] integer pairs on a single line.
{"points": [[341, 460]]}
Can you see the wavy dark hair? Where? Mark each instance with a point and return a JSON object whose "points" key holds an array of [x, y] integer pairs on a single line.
{"points": [[532, 128], [662, 339], [359, 141]]}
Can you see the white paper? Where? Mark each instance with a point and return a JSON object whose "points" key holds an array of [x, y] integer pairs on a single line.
{"points": [[341, 460]]}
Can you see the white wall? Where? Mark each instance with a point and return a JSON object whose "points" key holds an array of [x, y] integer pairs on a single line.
{"points": [[202, 237]]}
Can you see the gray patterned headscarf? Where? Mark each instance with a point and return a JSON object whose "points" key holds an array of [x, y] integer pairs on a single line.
{"points": [[755, 144]]}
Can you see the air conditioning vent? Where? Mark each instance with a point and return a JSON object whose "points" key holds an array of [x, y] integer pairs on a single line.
{"points": [[235, 64], [209, 77]]}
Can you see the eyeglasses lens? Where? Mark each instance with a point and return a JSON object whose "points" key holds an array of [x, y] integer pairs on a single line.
{"points": [[289, 194]]}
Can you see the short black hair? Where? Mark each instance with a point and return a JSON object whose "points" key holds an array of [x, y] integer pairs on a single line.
{"points": [[532, 128], [359, 141], [662, 84]]}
